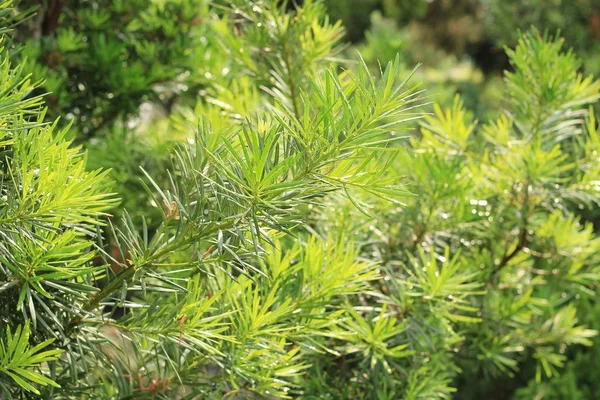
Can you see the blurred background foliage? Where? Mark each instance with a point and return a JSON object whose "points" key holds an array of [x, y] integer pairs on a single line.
{"points": [[135, 75], [479, 29], [461, 42]]}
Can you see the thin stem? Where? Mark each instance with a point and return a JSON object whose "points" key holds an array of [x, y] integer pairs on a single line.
{"points": [[97, 298], [52, 16], [522, 235], [128, 273], [425, 226], [290, 75], [509, 256], [291, 82]]}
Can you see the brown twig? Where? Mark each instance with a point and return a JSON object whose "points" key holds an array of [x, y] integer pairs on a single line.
{"points": [[522, 235], [51, 17]]}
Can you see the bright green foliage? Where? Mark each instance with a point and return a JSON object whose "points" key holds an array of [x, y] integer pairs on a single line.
{"points": [[229, 294], [100, 61], [231, 192], [48, 220], [17, 359], [280, 254], [103, 61], [577, 379], [486, 268]]}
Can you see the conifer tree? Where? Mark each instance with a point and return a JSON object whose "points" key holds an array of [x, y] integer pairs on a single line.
{"points": [[231, 292], [297, 246], [488, 268]]}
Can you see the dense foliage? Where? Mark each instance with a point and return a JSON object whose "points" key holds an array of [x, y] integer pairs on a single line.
{"points": [[481, 28], [488, 265], [285, 218]]}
